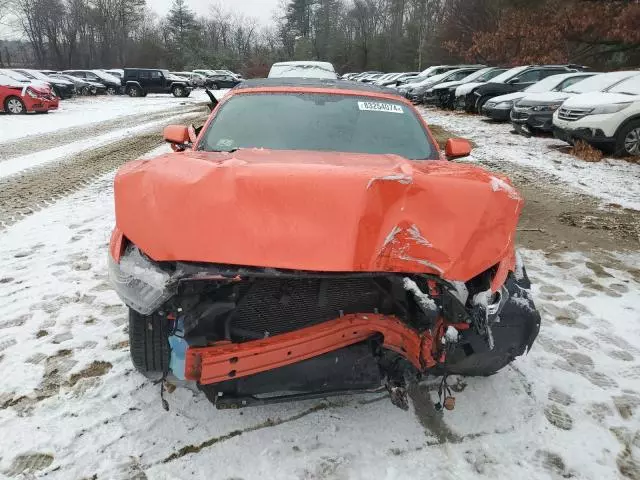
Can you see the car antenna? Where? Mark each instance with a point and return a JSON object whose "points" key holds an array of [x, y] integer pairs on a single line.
{"points": [[214, 100]]}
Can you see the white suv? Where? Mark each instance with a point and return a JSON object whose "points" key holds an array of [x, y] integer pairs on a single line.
{"points": [[608, 120]]}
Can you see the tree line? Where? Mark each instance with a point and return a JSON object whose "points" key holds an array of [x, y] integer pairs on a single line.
{"points": [[355, 35]]}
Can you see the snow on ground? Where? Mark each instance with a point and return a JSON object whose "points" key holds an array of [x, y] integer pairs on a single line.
{"points": [[72, 406], [83, 111], [19, 164], [611, 180]]}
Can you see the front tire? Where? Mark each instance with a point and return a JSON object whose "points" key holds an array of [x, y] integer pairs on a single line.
{"points": [[178, 92], [111, 90], [134, 92], [628, 140], [149, 344], [480, 103], [14, 106]]}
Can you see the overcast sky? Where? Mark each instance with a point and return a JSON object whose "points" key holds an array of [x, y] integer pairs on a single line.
{"points": [[262, 10]]}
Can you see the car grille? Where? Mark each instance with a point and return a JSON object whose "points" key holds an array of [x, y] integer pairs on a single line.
{"points": [[274, 306], [519, 114], [573, 114]]}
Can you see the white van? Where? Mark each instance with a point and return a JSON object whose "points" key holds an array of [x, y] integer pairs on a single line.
{"points": [[303, 69]]}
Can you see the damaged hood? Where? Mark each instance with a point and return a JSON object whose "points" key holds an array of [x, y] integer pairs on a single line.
{"points": [[318, 211]]}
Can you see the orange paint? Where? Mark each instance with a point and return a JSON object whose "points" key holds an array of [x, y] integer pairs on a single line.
{"points": [[317, 211], [217, 363]]}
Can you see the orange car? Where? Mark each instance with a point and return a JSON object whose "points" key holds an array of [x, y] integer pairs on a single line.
{"points": [[313, 240]]}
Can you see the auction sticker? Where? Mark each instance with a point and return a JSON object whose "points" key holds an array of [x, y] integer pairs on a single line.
{"points": [[380, 107]]}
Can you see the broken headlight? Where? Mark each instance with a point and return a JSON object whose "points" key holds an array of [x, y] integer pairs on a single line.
{"points": [[141, 283]]}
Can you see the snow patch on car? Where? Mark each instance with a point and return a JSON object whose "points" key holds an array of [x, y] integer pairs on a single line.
{"points": [[423, 298], [497, 185]]}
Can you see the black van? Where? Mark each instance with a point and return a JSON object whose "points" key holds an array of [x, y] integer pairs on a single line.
{"points": [[138, 82]]}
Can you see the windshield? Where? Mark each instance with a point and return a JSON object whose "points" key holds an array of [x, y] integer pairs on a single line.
{"points": [[547, 84], [503, 77], [318, 122], [599, 82], [6, 80], [16, 76], [488, 75], [631, 86], [38, 75]]}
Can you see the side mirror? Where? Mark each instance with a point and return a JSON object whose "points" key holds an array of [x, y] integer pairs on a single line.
{"points": [[178, 136], [457, 148], [513, 80]]}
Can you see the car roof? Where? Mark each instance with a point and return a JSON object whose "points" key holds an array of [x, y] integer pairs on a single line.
{"points": [[326, 83]]}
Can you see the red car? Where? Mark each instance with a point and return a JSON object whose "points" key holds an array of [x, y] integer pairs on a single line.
{"points": [[313, 238], [17, 97]]}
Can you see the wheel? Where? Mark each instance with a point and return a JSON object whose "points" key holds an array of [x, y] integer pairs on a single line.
{"points": [[133, 91], [214, 86], [85, 90], [14, 106], [178, 91], [480, 103], [112, 91], [628, 140], [149, 344]]}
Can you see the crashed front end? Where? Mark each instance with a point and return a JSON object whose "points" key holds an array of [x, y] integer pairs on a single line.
{"points": [[402, 305]]}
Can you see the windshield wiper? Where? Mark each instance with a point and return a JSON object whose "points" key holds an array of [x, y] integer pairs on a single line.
{"points": [[224, 151]]}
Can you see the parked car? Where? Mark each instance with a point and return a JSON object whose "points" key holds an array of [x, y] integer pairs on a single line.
{"points": [[83, 87], [223, 80], [371, 78], [63, 88], [303, 69], [445, 92], [435, 70], [418, 90], [357, 77], [521, 78], [113, 85], [396, 79], [607, 120], [17, 97], [195, 79], [138, 82], [499, 108], [534, 113], [116, 72], [302, 299]]}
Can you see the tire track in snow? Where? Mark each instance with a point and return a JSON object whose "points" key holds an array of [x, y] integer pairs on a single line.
{"points": [[38, 143], [26, 193]]}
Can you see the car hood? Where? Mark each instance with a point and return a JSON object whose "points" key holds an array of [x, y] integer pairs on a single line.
{"points": [[318, 211], [594, 99], [509, 97], [545, 98], [466, 88], [447, 85]]}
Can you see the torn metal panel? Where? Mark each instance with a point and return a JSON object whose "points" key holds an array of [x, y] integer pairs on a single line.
{"points": [[317, 211]]}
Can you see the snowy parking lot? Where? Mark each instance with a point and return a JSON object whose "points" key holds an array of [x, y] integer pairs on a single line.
{"points": [[73, 407]]}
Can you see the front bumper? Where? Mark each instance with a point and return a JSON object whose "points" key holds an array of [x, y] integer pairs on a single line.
{"points": [[513, 333], [595, 137], [525, 117], [500, 114]]}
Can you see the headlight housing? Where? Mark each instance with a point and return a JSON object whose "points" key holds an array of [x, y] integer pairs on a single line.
{"points": [[31, 93], [507, 104], [611, 108], [141, 283]]}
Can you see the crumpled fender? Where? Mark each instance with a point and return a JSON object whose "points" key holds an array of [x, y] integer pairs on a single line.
{"points": [[319, 211]]}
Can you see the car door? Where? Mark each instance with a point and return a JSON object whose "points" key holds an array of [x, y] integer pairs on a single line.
{"points": [[157, 81]]}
